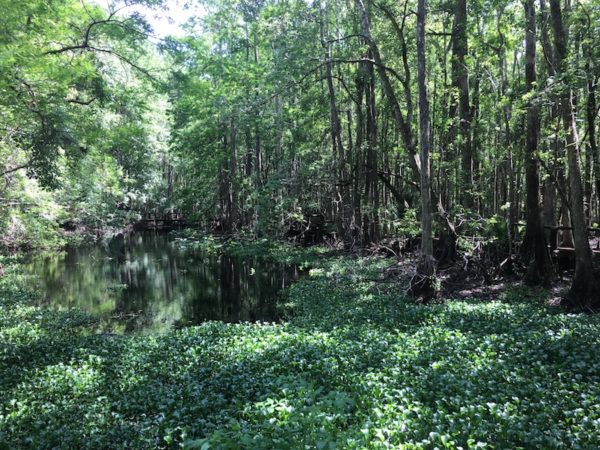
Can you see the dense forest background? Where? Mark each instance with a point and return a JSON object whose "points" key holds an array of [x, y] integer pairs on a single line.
{"points": [[474, 122]]}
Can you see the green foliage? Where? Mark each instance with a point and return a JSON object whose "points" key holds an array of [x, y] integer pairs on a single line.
{"points": [[248, 246], [77, 119], [29, 218], [408, 226], [496, 228], [357, 367]]}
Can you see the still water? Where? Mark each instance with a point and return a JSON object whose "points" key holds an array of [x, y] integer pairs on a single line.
{"points": [[145, 282]]}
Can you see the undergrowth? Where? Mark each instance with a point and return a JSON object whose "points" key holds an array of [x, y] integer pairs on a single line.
{"points": [[358, 366], [241, 246]]}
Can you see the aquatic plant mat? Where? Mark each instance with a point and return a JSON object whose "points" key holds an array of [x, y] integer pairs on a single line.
{"points": [[356, 366]]}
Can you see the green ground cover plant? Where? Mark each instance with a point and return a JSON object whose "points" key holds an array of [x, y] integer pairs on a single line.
{"points": [[248, 246], [357, 366]]}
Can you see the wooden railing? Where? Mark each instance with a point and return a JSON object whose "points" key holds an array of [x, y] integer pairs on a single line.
{"points": [[162, 221], [556, 249]]}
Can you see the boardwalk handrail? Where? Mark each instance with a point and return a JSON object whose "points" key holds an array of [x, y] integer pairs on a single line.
{"points": [[554, 229], [152, 220]]}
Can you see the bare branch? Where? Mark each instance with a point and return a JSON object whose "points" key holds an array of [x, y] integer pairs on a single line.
{"points": [[344, 38], [14, 169], [371, 61], [77, 101]]}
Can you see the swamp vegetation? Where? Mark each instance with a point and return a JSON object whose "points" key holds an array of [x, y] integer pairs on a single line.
{"points": [[383, 224], [358, 366]]}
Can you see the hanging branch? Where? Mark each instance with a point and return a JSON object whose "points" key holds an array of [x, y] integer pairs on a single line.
{"points": [[86, 43]]}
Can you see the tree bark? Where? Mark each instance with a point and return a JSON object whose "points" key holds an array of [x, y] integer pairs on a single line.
{"points": [[400, 121], [460, 81], [534, 249], [549, 189], [233, 184], [339, 199], [371, 221], [591, 124], [584, 293], [425, 284]]}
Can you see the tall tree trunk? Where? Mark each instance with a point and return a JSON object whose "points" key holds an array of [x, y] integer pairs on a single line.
{"points": [[549, 189], [400, 121], [371, 221], [534, 250], [233, 181], [584, 293], [591, 124], [425, 286], [258, 157], [338, 199], [460, 81], [477, 182], [358, 166]]}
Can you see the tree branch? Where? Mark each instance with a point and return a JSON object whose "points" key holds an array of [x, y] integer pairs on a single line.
{"points": [[87, 45], [343, 38], [371, 61], [14, 169], [77, 101]]}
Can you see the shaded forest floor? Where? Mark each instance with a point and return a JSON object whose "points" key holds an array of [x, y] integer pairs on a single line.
{"points": [[357, 365]]}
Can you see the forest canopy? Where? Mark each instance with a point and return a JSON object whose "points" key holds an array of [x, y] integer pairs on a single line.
{"points": [[472, 122]]}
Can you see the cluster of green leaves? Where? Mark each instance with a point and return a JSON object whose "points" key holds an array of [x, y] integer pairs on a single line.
{"points": [[77, 119], [247, 246], [29, 217], [359, 366]]}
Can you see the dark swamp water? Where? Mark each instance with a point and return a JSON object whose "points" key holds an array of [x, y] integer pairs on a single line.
{"points": [[145, 282]]}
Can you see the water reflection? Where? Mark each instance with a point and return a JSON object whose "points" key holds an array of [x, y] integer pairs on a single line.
{"points": [[143, 282]]}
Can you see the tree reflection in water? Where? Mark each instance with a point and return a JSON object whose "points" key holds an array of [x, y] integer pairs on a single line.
{"points": [[142, 282]]}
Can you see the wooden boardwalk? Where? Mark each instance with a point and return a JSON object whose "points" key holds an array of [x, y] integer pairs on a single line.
{"points": [[557, 245], [169, 221]]}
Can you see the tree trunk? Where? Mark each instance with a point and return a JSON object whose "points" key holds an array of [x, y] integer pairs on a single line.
{"points": [[534, 250], [339, 200], [591, 124], [460, 81], [233, 181], [584, 293], [425, 284], [401, 123], [370, 221], [549, 195]]}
